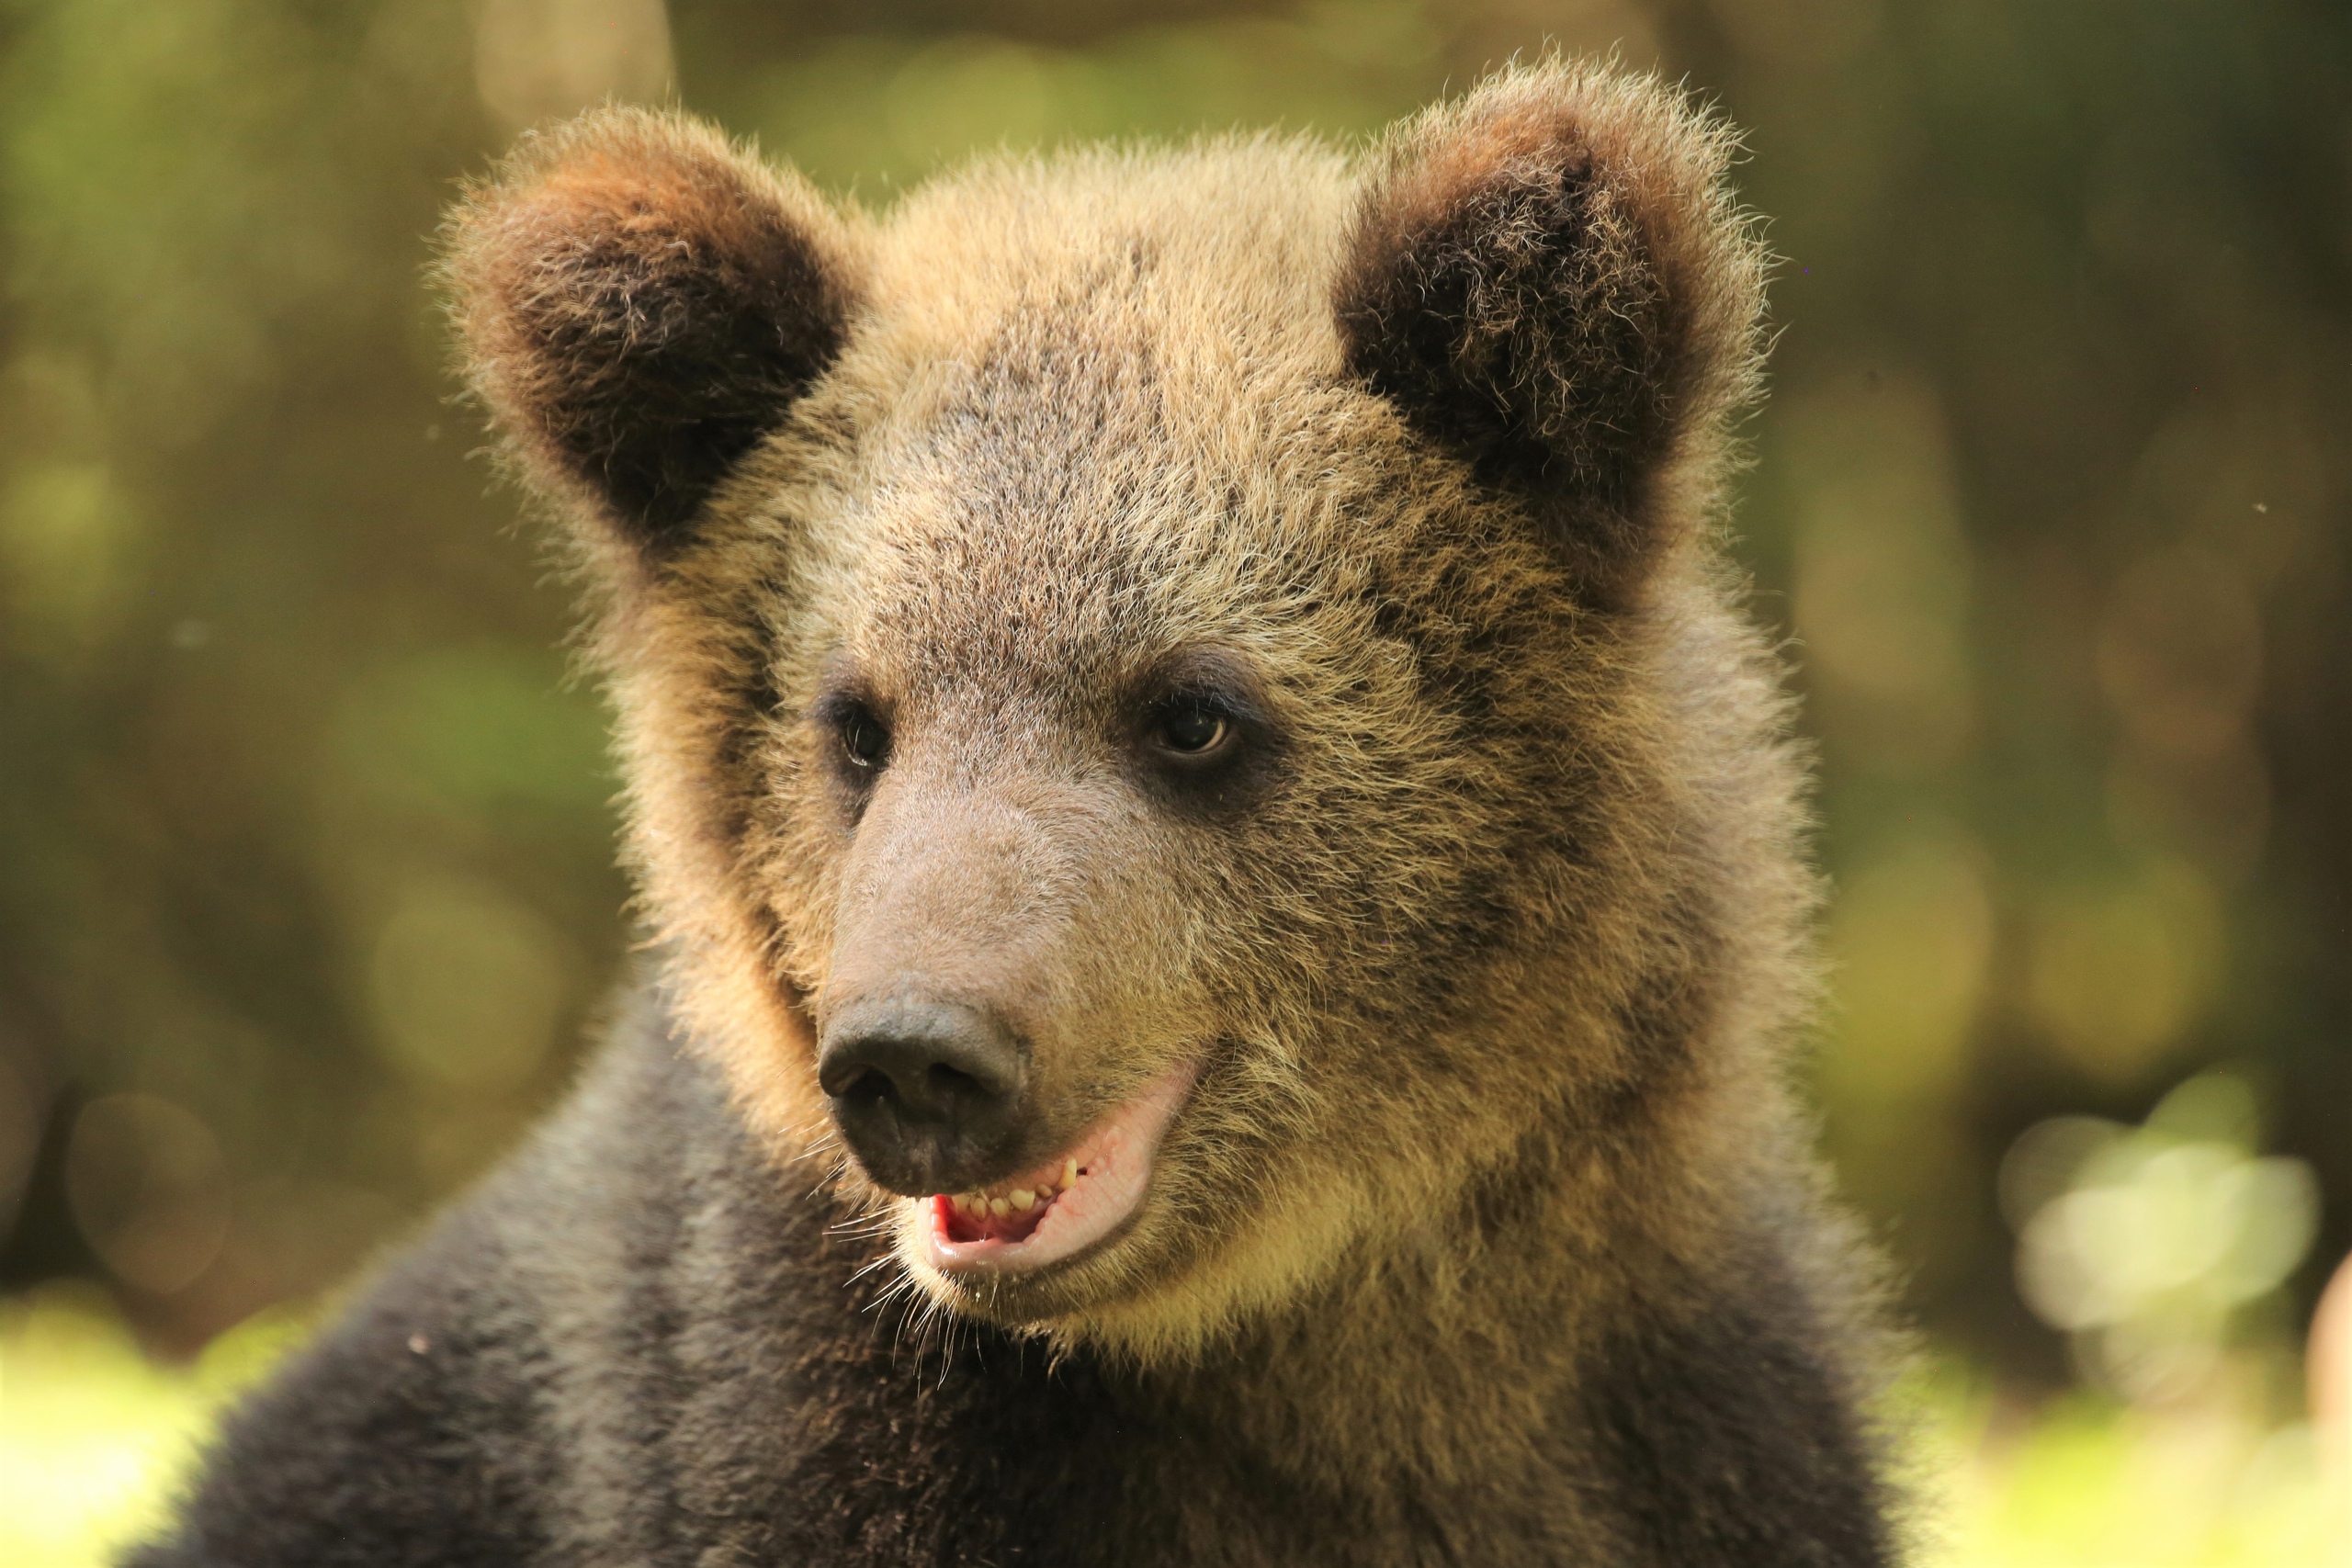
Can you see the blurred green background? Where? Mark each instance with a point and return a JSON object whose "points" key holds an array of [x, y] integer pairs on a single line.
{"points": [[306, 892]]}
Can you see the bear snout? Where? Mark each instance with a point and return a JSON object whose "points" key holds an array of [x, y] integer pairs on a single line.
{"points": [[928, 1093]]}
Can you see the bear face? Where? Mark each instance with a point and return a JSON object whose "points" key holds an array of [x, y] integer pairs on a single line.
{"points": [[1181, 729]]}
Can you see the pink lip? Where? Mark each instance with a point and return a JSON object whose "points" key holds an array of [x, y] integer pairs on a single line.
{"points": [[1115, 1156]]}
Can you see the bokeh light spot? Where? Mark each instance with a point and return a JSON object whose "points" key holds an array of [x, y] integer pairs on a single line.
{"points": [[2119, 970], [1910, 940], [149, 1189], [535, 60], [465, 984]]}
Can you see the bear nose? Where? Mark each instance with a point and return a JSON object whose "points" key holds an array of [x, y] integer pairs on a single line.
{"points": [[926, 1092]]}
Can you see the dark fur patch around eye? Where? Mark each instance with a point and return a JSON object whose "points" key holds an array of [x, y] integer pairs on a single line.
{"points": [[1216, 782], [639, 303]]}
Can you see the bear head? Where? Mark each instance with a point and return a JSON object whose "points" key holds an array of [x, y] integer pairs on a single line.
{"points": [[1182, 728]]}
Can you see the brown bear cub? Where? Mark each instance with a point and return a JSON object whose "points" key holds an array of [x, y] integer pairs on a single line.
{"points": [[1226, 877]]}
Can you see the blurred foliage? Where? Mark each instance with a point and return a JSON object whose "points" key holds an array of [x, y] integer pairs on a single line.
{"points": [[2146, 1242], [306, 894]]}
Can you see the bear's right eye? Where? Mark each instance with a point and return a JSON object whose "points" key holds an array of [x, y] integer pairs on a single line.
{"points": [[1192, 729], [865, 740]]}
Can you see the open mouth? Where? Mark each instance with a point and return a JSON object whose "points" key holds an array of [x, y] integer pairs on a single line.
{"points": [[1064, 1206]]}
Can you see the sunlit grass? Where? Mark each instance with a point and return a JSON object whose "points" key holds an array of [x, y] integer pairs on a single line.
{"points": [[94, 1437], [2088, 1483], [93, 1434]]}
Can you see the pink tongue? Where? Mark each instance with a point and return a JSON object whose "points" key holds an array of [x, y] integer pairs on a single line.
{"points": [[1015, 1227]]}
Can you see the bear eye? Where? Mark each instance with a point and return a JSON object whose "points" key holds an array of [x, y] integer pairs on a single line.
{"points": [[865, 740], [1192, 729]]}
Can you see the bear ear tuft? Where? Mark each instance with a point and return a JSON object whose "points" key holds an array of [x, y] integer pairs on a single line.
{"points": [[638, 303], [1550, 279]]}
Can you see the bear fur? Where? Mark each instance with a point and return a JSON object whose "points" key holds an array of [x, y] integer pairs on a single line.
{"points": [[1455, 973]]}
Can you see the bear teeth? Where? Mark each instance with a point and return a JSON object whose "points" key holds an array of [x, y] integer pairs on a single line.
{"points": [[1016, 1199]]}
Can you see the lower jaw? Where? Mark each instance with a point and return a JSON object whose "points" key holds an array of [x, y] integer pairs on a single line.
{"points": [[1066, 1210]]}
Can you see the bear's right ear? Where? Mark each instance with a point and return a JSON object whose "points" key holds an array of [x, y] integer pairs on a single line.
{"points": [[639, 303], [1550, 280]]}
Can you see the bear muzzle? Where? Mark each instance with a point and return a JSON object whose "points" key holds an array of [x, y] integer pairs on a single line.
{"points": [[928, 1094]]}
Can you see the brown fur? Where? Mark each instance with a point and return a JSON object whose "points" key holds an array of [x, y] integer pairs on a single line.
{"points": [[641, 315], [1489, 953], [1556, 284]]}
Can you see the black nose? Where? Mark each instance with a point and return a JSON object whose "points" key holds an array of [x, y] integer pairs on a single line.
{"points": [[926, 1092]]}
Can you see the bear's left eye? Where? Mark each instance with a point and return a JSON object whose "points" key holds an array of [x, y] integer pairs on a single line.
{"points": [[864, 738], [1192, 729]]}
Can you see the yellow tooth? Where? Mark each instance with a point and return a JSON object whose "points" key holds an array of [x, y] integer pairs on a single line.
{"points": [[1023, 1198], [1069, 1173], [999, 1207], [959, 1203]]}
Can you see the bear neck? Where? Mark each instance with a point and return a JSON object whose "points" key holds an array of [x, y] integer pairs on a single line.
{"points": [[1466, 1350]]}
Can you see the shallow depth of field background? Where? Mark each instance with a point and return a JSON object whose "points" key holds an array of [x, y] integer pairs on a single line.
{"points": [[306, 894]]}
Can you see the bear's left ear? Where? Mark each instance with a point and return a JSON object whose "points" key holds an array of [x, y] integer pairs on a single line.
{"points": [[639, 302], [1551, 280]]}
